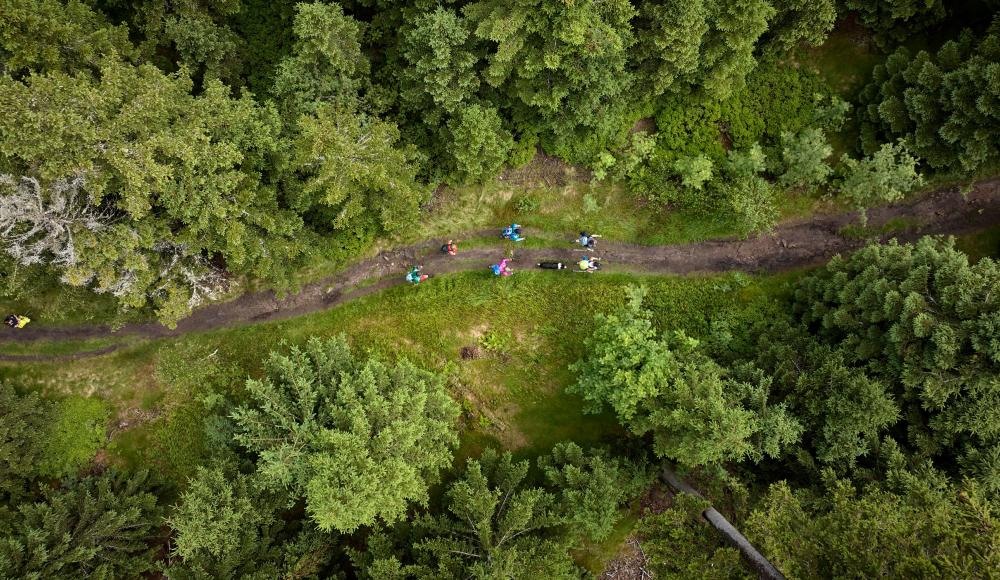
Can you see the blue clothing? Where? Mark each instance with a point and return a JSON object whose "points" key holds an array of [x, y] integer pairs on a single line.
{"points": [[496, 269], [512, 233]]}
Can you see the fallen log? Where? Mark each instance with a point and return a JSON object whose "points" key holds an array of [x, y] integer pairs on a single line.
{"points": [[754, 558]]}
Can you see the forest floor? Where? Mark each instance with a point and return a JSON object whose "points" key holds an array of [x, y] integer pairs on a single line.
{"points": [[793, 244]]}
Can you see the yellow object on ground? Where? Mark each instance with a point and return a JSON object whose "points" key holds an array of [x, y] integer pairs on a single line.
{"points": [[22, 321]]}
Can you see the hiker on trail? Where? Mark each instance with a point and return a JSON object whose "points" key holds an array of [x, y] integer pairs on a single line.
{"points": [[512, 233], [15, 321], [501, 269], [552, 265], [414, 276], [588, 241], [589, 265], [450, 248]]}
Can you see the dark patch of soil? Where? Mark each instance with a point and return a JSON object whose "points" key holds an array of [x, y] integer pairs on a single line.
{"points": [[100, 463], [545, 170], [657, 499], [646, 125], [855, 30], [724, 137], [791, 245], [471, 352]]}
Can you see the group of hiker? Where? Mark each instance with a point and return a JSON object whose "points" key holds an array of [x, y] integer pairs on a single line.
{"points": [[514, 233], [415, 275]]}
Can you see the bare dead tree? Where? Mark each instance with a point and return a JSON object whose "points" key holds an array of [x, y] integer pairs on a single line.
{"points": [[37, 224], [205, 281]]}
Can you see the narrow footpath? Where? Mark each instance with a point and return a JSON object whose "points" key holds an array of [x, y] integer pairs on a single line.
{"points": [[791, 245]]}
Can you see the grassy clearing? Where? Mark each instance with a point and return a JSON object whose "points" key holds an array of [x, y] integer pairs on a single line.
{"points": [[164, 397], [524, 331]]}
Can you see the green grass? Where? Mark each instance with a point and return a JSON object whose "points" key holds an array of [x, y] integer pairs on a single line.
{"points": [[595, 556], [73, 435], [894, 226], [515, 392], [61, 347], [984, 244], [845, 61], [528, 327]]}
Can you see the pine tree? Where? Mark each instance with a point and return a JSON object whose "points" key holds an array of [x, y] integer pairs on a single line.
{"points": [[42, 36], [919, 532], [494, 525], [480, 143], [943, 106], [359, 440], [97, 527], [563, 63], [441, 63], [22, 423], [592, 486], [179, 176], [225, 527], [355, 174], [326, 65], [923, 321]]}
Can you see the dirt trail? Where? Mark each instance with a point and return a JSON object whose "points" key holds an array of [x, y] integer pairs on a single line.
{"points": [[792, 245]]}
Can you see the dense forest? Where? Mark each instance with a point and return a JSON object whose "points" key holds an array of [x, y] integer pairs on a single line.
{"points": [[158, 157]]}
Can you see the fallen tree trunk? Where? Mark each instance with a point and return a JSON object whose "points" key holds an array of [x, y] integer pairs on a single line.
{"points": [[750, 554]]}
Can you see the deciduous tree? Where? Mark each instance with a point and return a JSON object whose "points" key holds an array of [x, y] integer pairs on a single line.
{"points": [[664, 387], [804, 155], [881, 178]]}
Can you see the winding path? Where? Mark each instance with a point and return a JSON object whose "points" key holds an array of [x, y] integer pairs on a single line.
{"points": [[791, 245]]}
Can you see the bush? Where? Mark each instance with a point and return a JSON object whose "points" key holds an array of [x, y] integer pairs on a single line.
{"points": [[74, 434], [776, 99], [805, 156], [524, 150], [694, 170], [526, 203], [750, 202]]}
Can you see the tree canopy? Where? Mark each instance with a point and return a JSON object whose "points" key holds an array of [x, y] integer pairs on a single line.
{"points": [[358, 439]]}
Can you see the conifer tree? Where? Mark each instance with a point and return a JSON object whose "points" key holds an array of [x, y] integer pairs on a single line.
{"points": [[358, 440]]}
